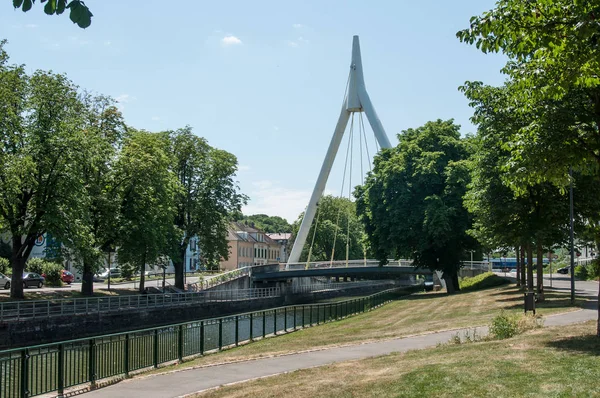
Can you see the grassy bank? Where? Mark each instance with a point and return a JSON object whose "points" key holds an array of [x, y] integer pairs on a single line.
{"points": [[552, 362], [411, 315]]}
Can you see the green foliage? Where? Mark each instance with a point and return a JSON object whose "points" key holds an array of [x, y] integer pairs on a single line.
{"points": [[36, 265], [5, 250], [482, 281], [128, 270], [53, 273], [504, 326], [412, 202], [581, 272], [4, 266], [268, 224], [79, 13], [337, 228]]}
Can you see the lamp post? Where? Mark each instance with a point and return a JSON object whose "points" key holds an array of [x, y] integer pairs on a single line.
{"points": [[109, 252], [572, 270]]}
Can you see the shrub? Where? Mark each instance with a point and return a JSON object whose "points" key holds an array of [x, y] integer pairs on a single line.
{"points": [[53, 274], [127, 271], [4, 265], [504, 326], [36, 265], [483, 281], [581, 272]]}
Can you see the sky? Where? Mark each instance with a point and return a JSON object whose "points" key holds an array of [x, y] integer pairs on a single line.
{"points": [[264, 80]]}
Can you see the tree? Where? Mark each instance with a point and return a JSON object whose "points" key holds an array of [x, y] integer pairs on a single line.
{"points": [[104, 128], [79, 13], [338, 232], [412, 202], [40, 160], [146, 199], [268, 224], [207, 196], [554, 67]]}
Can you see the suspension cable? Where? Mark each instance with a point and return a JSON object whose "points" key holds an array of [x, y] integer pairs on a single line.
{"points": [[337, 221], [349, 195], [313, 237]]}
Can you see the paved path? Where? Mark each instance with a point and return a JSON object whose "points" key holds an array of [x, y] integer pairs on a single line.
{"points": [[177, 384]]}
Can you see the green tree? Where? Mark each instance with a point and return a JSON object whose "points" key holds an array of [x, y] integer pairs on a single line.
{"points": [[104, 128], [412, 202], [40, 160], [268, 224], [79, 13], [208, 194], [335, 230], [146, 199]]}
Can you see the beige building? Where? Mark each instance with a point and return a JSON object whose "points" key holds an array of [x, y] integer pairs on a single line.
{"points": [[250, 246]]}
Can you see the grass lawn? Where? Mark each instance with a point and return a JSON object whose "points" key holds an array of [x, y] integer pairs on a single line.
{"points": [[411, 315], [552, 362]]}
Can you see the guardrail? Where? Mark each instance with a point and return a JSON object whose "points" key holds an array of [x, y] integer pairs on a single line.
{"points": [[43, 369], [344, 263], [18, 310]]}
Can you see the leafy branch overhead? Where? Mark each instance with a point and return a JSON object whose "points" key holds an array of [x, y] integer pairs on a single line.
{"points": [[79, 13]]}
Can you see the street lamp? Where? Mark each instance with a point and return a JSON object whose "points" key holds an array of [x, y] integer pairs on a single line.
{"points": [[571, 238]]}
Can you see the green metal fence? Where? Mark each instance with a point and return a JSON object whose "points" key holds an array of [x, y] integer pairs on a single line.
{"points": [[36, 370]]}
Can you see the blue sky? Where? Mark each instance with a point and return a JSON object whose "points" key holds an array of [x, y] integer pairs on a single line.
{"points": [[263, 79]]}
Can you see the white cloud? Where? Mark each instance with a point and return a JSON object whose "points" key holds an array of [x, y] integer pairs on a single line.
{"points": [[270, 198], [298, 42], [298, 26], [155, 118], [231, 41]]}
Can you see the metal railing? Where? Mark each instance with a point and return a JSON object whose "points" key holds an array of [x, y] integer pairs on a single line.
{"points": [[18, 310], [42, 369], [344, 263]]}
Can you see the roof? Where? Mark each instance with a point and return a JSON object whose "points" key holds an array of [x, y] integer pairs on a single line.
{"points": [[280, 236]]}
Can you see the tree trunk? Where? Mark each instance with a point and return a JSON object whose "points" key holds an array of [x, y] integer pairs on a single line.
{"points": [[523, 267], [517, 254], [540, 272], [87, 280], [455, 282], [449, 279], [17, 264], [529, 267], [143, 276], [179, 266]]}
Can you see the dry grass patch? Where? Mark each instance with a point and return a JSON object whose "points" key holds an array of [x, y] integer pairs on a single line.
{"points": [[551, 362]]}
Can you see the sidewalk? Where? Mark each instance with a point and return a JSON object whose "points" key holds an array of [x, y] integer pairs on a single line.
{"points": [[178, 384]]}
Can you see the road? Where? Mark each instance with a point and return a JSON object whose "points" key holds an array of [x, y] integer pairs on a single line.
{"points": [[562, 282]]}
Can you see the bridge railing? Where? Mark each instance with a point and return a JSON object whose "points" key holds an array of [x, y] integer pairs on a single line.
{"points": [[344, 263]]}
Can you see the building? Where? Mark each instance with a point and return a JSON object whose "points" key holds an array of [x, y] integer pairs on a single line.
{"points": [[284, 240], [250, 246]]}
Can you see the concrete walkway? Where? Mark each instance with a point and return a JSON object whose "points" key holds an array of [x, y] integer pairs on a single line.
{"points": [[177, 384]]}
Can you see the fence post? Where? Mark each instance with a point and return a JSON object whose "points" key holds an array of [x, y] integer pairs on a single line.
{"points": [[155, 348], [264, 316], [237, 330], [285, 319], [294, 317], [180, 344], [275, 322], [25, 373], [318, 313], [310, 308], [201, 337], [92, 363], [60, 373], [220, 334], [303, 313], [251, 327], [126, 356]]}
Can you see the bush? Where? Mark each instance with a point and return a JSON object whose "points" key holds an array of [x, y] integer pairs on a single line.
{"points": [[581, 272], [36, 265], [53, 274], [483, 281], [4, 265], [504, 326], [127, 271]]}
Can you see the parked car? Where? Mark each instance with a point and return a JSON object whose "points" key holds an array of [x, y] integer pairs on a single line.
{"points": [[67, 277], [114, 273], [563, 270], [31, 279], [4, 281]]}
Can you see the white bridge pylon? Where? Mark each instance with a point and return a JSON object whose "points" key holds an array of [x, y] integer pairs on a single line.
{"points": [[357, 100]]}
